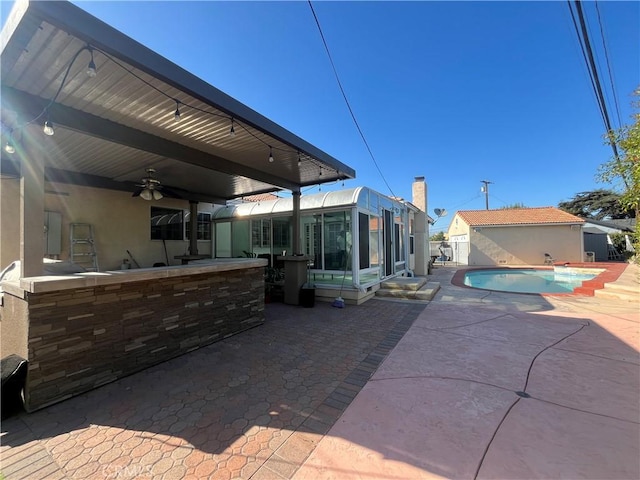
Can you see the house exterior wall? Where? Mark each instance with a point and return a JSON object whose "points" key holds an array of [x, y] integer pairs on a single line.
{"points": [[79, 338], [120, 222], [9, 221], [458, 227], [525, 245]]}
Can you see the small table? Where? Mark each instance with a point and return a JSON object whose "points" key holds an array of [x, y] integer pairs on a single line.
{"points": [[295, 275], [187, 258]]}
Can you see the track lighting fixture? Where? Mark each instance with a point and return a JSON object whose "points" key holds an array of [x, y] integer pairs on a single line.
{"points": [[91, 68], [48, 127], [176, 115], [232, 131], [270, 155]]}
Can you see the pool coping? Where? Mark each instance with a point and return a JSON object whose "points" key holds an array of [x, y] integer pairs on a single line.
{"points": [[612, 272]]}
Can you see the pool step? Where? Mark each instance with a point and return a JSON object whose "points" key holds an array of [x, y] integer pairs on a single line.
{"points": [[624, 285], [629, 292], [410, 288]]}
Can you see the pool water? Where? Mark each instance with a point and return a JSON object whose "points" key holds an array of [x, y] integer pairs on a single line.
{"points": [[527, 280]]}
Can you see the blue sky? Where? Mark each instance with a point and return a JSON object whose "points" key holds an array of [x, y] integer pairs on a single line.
{"points": [[457, 92]]}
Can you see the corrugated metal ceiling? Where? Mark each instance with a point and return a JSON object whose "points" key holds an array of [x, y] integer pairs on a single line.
{"points": [[121, 121]]}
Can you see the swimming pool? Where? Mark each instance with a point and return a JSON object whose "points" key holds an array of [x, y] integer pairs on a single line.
{"points": [[527, 280]]}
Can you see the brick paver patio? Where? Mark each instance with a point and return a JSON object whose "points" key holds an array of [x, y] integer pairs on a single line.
{"points": [[254, 405]]}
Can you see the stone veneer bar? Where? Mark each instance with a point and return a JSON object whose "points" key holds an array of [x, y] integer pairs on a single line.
{"points": [[81, 331]]}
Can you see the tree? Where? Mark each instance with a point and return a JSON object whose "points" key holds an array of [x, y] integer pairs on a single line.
{"points": [[625, 167], [437, 237], [597, 204], [514, 205]]}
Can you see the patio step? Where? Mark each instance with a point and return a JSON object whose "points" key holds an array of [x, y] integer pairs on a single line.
{"points": [[619, 292], [626, 287], [415, 288]]}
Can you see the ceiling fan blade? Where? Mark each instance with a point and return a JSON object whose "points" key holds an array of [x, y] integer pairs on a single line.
{"points": [[137, 192]]}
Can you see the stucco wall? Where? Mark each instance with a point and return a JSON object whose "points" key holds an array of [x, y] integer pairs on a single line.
{"points": [[14, 327], [9, 221], [525, 245], [121, 222], [457, 227]]}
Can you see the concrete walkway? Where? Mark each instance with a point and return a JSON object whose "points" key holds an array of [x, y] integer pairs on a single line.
{"points": [[493, 385], [475, 384]]}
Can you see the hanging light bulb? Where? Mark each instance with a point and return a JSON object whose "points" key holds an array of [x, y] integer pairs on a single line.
{"points": [[48, 128], [91, 68], [232, 131], [176, 115], [146, 194], [9, 146], [299, 160], [320, 173], [271, 159]]}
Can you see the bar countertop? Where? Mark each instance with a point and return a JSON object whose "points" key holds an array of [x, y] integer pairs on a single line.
{"points": [[50, 283]]}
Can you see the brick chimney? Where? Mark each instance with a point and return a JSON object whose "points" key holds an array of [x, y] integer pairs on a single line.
{"points": [[419, 191], [420, 227]]}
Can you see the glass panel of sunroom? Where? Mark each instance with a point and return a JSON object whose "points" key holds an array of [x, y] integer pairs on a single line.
{"points": [[311, 231], [337, 240], [240, 238]]}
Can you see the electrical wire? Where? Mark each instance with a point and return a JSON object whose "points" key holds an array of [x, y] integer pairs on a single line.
{"points": [[595, 81], [344, 96], [584, 57], [608, 62], [302, 155]]}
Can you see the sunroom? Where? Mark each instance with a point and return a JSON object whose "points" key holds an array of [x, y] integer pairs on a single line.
{"points": [[352, 239]]}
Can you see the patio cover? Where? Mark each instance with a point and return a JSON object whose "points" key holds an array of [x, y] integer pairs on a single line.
{"points": [[111, 127]]}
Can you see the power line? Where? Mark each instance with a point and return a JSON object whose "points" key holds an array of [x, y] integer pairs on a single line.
{"points": [[584, 57], [344, 95], [595, 81], [606, 56]]}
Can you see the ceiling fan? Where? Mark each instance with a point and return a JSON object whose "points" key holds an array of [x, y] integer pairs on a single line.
{"points": [[151, 189]]}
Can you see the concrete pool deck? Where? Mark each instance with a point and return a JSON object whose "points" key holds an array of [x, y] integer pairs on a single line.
{"points": [[474, 384]]}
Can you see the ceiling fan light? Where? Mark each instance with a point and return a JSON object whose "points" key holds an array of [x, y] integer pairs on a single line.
{"points": [[146, 194], [157, 195]]}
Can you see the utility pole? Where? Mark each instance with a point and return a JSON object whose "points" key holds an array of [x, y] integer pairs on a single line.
{"points": [[485, 189]]}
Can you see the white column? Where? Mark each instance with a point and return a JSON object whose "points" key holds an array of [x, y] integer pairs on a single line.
{"points": [[32, 206], [295, 222]]}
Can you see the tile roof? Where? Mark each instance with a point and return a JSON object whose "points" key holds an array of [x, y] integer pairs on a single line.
{"points": [[518, 216]]}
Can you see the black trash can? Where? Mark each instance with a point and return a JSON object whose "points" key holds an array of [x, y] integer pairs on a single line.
{"points": [[308, 296], [13, 370]]}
